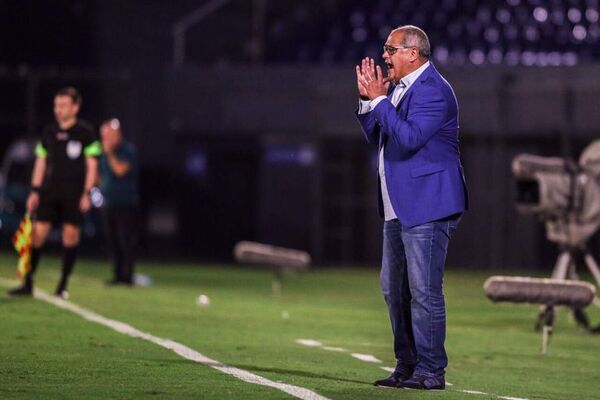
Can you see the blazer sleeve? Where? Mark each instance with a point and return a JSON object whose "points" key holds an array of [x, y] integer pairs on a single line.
{"points": [[426, 116], [370, 127]]}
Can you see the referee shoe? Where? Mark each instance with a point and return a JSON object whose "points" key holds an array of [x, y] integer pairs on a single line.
{"points": [[24, 290]]}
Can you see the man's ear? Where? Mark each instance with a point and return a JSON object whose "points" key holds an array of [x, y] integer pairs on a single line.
{"points": [[414, 53]]}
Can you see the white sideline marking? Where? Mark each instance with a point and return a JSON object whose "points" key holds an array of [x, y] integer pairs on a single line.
{"points": [[338, 349], [472, 392], [372, 359], [316, 343], [366, 357], [309, 342], [176, 347]]}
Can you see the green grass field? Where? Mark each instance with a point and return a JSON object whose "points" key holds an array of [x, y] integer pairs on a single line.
{"points": [[50, 353]]}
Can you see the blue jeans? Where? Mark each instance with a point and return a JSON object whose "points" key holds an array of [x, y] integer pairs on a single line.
{"points": [[412, 274]]}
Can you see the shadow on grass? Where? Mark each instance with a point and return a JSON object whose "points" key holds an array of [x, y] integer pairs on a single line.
{"points": [[257, 369], [304, 374], [6, 299]]}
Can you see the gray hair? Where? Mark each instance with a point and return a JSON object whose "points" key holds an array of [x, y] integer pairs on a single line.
{"points": [[415, 37]]}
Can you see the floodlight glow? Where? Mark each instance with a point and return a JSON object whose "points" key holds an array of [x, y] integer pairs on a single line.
{"points": [[540, 14]]}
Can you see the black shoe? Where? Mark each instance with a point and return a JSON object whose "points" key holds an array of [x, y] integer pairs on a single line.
{"points": [[24, 290], [424, 382], [392, 381]]}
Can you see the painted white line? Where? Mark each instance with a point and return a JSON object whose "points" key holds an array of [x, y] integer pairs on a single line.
{"points": [[338, 349], [176, 347], [472, 392], [366, 357], [362, 357], [309, 342], [372, 359]]}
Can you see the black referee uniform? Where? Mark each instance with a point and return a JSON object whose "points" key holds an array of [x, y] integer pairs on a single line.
{"points": [[65, 151]]}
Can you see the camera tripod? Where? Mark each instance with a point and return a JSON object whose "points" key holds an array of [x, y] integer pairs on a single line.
{"points": [[566, 268]]}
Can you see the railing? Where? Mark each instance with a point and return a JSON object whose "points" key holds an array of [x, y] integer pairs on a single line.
{"points": [[180, 27]]}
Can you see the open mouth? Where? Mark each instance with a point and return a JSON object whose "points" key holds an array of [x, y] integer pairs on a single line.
{"points": [[389, 65]]}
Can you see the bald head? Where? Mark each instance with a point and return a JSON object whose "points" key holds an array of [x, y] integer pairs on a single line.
{"points": [[111, 135], [413, 36]]}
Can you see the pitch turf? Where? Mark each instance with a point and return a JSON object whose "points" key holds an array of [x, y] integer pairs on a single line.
{"points": [[48, 353]]}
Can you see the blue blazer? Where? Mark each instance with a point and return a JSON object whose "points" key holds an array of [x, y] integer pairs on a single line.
{"points": [[425, 179]]}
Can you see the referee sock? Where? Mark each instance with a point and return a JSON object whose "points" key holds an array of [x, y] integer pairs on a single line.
{"points": [[35, 259], [69, 257]]}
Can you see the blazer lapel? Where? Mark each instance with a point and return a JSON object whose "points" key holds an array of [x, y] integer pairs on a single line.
{"points": [[428, 71]]}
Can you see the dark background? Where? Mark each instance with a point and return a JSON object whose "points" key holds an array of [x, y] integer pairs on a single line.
{"points": [[247, 131]]}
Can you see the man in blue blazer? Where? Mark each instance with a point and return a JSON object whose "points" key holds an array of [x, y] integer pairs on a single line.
{"points": [[412, 116]]}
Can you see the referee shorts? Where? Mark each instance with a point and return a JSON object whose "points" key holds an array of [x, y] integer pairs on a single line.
{"points": [[59, 207]]}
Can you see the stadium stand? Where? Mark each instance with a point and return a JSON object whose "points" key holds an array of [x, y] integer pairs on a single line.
{"points": [[464, 32]]}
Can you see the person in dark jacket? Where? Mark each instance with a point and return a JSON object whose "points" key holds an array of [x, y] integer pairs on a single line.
{"points": [[118, 169]]}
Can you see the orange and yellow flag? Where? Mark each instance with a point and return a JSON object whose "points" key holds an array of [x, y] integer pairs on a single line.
{"points": [[22, 242]]}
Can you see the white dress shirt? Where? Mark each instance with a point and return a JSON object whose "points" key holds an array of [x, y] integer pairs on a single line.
{"points": [[366, 106]]}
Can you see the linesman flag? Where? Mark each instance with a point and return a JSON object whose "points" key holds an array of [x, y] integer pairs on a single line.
{"points": [[22, 242]]}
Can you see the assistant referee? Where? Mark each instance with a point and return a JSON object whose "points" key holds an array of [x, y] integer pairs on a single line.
{"points": [[65, 170]]}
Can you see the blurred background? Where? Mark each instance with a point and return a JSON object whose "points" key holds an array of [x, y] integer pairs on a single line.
{"points": [[242, 111]]}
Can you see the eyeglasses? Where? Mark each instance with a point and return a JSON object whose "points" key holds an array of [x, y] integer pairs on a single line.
{"points": [[391, 50]]}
